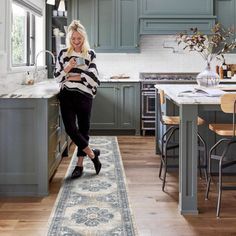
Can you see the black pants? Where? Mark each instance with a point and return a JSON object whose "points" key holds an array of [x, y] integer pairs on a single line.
{"points": [[76, 111]]}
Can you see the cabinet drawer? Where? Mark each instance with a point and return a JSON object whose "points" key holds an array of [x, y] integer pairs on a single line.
{"points": [[174, 25]]}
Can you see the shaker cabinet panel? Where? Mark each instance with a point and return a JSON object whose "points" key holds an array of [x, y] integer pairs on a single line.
{"points": [[105, 30], [111, 24], [117, 107], [129, 108], [225, 11], [127, 24], [173, 7], [104, 111]]}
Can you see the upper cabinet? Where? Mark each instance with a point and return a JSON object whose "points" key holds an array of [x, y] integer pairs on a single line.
{"points": [[225, 11], [171, 16], [112, 25]]}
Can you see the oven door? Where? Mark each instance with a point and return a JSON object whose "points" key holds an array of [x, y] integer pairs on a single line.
{"points": [[148, 104]]}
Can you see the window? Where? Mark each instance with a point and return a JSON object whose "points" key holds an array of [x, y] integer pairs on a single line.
{"points": [[26, 35]]}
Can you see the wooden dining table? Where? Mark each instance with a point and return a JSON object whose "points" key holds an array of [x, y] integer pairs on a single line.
{"points": [[189, 107]]}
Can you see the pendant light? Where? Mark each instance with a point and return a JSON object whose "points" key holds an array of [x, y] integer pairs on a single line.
{"points": [[51, 2], [61, 6]]}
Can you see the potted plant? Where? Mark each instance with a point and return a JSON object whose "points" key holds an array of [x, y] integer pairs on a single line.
{"points": [[211, 46]]}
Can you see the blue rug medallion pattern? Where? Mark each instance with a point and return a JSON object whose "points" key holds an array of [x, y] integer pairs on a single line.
{"points": [[94, 205]]}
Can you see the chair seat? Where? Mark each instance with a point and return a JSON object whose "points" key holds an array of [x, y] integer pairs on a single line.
{"points": [[175, 120], [171, 120], [222, 129]]}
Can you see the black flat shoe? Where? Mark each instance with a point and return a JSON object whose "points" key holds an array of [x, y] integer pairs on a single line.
{"points": [[96, 162], [77, 172]]}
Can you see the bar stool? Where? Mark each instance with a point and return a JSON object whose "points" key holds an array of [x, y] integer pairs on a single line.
{"points": [[166, 140], [228, 105]]}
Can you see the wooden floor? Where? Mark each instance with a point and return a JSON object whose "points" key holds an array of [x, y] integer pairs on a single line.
{"points": [[155, 212]]}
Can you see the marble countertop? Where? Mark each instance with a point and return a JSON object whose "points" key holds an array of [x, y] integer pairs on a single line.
{"points": [[49, 88], [44, 89], [173, 93]]}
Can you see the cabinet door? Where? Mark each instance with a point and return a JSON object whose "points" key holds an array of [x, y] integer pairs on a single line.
{"points": [[127, 24], [86, 15], [129, 106], [105, 24], [104, 111], [225, 12]]}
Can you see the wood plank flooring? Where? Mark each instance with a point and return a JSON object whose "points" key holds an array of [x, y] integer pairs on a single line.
{"points": [[155, 212]]}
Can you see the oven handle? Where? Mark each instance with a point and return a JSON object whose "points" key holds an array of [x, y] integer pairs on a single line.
{"points": [[148, 93]]}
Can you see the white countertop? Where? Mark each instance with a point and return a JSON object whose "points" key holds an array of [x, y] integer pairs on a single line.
{"points": [[174, 90], [50, 87], [44, 89]]}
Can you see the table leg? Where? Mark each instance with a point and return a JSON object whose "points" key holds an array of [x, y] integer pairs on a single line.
{"points": [[188, 160]]}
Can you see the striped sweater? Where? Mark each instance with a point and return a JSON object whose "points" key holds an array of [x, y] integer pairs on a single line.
{"points": [[88, 73]]}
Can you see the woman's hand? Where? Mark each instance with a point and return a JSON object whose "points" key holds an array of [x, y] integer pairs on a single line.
{"points": [[71, 64]]}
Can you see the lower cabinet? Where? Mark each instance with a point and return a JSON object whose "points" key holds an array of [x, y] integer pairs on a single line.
{"points": [[31, 145], [117, 107]]}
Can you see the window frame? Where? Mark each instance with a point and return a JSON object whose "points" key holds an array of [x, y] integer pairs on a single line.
{"points": [[32, 12]]}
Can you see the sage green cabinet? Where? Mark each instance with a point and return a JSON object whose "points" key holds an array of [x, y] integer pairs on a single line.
{"points": [[117, 107], [31, 145], [226, 13], [171, 16], [111, 24]]}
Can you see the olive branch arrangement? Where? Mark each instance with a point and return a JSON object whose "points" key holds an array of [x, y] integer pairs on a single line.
{"points": [[209, 46]]}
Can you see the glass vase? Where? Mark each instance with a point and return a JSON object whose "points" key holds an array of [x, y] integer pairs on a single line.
{"points": [[208, 77]]}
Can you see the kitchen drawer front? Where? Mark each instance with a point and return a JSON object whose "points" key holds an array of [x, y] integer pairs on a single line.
{"points": [[174, 25]]}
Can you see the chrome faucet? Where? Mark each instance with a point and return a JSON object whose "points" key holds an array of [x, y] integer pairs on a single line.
{"points": [[36, 58]]}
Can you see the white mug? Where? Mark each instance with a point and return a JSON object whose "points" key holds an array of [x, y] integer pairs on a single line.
{"points": [[80, 61]]}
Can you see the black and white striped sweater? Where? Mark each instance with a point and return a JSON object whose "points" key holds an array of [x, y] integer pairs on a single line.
{"points": [[88, 72]]}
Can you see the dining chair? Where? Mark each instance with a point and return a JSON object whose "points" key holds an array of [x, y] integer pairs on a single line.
{"points": [[224, 159], [172, 126]]}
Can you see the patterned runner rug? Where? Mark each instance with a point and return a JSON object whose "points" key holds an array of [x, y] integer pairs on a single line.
{"points": [[94, 205]]}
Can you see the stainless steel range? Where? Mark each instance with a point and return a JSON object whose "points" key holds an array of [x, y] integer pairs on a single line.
{"points": [[148, 81]]}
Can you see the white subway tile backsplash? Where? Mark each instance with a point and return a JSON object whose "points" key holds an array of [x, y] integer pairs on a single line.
{"points": [[153, 57]]}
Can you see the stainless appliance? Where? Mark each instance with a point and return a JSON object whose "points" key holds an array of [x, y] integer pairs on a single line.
{"points": [[148, 81]]}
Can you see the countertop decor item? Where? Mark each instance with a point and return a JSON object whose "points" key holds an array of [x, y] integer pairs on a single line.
{"points": [[94, 204], [210, 47]]}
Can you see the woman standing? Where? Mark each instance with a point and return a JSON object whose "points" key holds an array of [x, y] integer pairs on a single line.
{"points": [[77, 73]]}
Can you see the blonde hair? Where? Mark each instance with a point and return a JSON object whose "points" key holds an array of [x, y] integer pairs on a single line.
{"points": [[75, 25]]}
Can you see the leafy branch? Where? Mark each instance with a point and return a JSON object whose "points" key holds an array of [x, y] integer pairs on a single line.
{"points": [[208, 46]]}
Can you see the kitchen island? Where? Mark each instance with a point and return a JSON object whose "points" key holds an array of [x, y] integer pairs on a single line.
{"points": [[189, 108]]}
